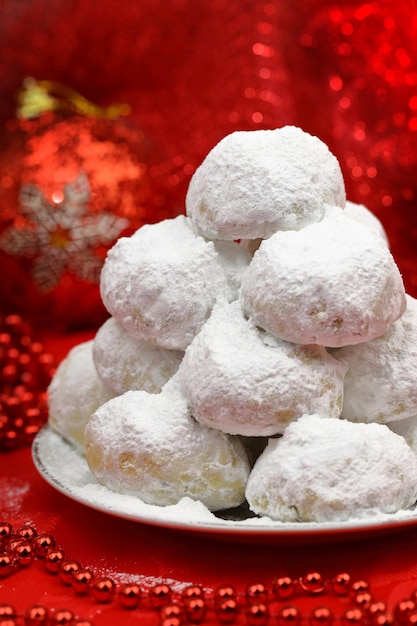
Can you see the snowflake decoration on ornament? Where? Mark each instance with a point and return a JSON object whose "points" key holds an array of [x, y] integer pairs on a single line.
{"points": [[60, 236]]}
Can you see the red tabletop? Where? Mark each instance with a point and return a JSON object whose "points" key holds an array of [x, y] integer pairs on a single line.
{"points": [[130, 552]]}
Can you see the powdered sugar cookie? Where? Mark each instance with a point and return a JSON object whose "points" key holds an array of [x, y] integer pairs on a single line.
{"points": [[332, 283], [362, 214], [241, 380], [326, 470], [74, 393], [406, 428], [124, 363], [149, 446], [234, 259], [381, 382], [161, 283], [253, 183]]}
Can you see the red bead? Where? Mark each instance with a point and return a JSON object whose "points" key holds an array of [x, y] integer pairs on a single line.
{"points": [[29, 432], [66, 571], [227, 611], [224, 592], [62, 617], [288, 616], [42, 544], [256, 593], [353, 617], [160, 595], [15, 324], [257, 614], [10, 439], [358, 586], [82, 622], [283, 587], [171, 610], [341, 584], [27, 532], [36, 616], [382, 619], [12, 542], [363, 599], [23, 553], [103, 590], [53, 560], [192, 592], [196, 609], [82, 581], [171, 621], [6, 564], [6, 611], [403, 610], [375, 608], [130, 595], [6, 530], [322, 616], [8, 622], [312, 583], [9, 373], [412, 619]]}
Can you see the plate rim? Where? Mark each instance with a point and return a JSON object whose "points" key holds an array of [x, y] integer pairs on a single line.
{"points": [[218, 526]]}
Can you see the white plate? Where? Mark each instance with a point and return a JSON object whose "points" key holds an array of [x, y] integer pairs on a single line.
{"points": [[65, 469]]}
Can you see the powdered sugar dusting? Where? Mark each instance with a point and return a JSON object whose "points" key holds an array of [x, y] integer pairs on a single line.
{"points": [[161, 283], [333, 470], [63, 467], [332, 283], [254, 183]]}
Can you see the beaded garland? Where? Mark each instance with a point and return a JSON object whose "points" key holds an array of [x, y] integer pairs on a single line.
{"points": [[257, 605], [25, 371]]}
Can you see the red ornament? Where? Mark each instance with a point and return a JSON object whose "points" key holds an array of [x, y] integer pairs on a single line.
{"points": [[70, 185]]}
